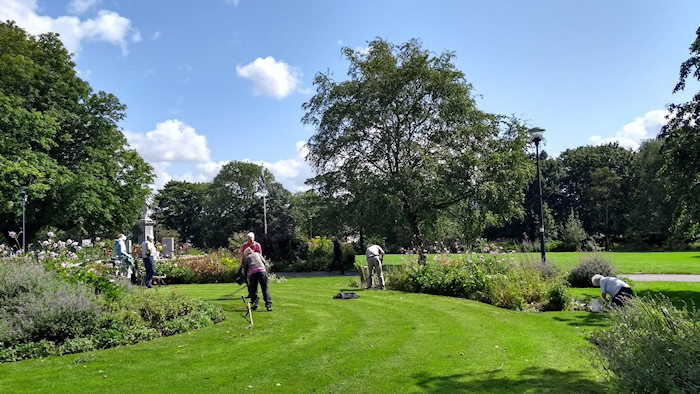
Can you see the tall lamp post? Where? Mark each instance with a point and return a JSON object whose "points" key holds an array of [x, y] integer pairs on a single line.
{"points": [[24, 231], [537, 138]]}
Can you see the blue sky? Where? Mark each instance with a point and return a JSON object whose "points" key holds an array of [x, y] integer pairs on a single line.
{"points": [[211, 81]]}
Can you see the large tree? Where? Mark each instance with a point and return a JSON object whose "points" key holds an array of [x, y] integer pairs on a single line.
{"points": [[406, 125], [234, 203], [681, 148], [579, 187], [60, 139], [180, 206], [651, 213]]}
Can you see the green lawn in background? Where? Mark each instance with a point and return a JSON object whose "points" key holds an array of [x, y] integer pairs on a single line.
{"points": [[626, 262], [681, 294], [382, 342]]}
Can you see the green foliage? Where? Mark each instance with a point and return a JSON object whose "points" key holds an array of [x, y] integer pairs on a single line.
{"points": [[67, 307], [572, 234], [179, 206], [651, 215], [36, 304], [589, 266], [651, 347], [424, 168], [591, 190], [320, 253], [559, 297], [492, 279], [61, 139]]}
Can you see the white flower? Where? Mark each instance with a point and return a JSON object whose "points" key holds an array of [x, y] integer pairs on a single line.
{"points": [[12, 234]]}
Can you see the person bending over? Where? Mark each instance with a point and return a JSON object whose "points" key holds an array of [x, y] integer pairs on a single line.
{"points": [[254, 265], [619, 291]]}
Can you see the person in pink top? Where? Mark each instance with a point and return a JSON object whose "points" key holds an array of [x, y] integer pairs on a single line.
{"points": [[254, 246]]}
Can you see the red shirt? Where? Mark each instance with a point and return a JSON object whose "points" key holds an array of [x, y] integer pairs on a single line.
{"points": [[255, 247]]}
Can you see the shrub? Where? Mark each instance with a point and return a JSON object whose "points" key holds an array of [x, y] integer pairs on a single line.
{"points": [[572, 234], [45, 313], [651, 346], [320, 254], [36, 305], [589, 266], [175, 272], [559, 297], [494, 279]]}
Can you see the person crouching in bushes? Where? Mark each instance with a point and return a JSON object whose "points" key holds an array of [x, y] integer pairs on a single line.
{"points": [[254, 265], [617, 289]]}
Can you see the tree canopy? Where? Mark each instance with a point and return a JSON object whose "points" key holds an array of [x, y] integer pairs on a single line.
{"points": [[60, 139], [681, 150], [405, 125]]}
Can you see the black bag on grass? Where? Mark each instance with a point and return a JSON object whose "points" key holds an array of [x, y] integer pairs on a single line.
{"points": [[345, 296]]}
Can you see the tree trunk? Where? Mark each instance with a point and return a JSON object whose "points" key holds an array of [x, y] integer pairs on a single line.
{"points": [[417, 236]]}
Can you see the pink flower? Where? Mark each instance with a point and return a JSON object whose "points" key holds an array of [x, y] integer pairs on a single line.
{"points": [[12, 234]]}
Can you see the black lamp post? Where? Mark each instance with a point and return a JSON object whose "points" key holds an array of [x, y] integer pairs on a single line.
{"points": [[24, 232], [536, 138]]}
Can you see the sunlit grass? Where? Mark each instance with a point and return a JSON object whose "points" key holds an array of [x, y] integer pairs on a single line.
{"points": [[382, 342]]}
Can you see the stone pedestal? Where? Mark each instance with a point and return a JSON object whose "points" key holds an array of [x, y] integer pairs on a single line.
{"points": [[168, 247], [146, 226]]}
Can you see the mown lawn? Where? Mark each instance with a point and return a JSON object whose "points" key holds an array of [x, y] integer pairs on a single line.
{"points": [[626, 262], [681, 294], [382, 342]]}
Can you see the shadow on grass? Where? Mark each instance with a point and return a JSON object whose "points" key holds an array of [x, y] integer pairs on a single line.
{"points": [[679, 298], [587, 320], [531, 379]]}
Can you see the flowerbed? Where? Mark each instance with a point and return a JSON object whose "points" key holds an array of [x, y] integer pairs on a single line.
{"points": [[53, 303], [494, 279]]}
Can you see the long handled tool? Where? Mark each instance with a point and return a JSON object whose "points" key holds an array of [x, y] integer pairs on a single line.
{"points": [[249, 311]]}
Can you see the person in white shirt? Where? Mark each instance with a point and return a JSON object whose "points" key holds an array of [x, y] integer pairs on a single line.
{"points": [[617, 289], [148, 254], [375, 255], [123, 257]]}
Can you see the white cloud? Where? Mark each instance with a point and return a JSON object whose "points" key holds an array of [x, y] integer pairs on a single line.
{"points": [[107, 26], [171, 141], [270, 77], [634, 132], [81, 6], [177, 152]]}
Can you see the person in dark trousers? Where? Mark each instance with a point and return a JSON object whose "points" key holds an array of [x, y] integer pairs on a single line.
{"points": [[617, 289], [337, 256], [148, 253], [254, 265]]}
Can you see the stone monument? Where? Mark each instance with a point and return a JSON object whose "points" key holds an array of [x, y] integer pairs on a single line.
{"points": [[146, 224], [168, 247]]}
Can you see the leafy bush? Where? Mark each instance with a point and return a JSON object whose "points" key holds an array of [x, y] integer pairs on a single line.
{"points": [[651, 347], [320, 254], [493, 279], [559, 297], [175, 272], [589, 266], [572, 234], [36, 304], [45, 312]]}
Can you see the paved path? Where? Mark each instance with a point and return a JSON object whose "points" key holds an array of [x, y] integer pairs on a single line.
{"points": [[662, 277]]}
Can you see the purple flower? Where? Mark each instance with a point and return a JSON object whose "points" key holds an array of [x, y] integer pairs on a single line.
{"points": [[50, 234], [12, 234]]}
